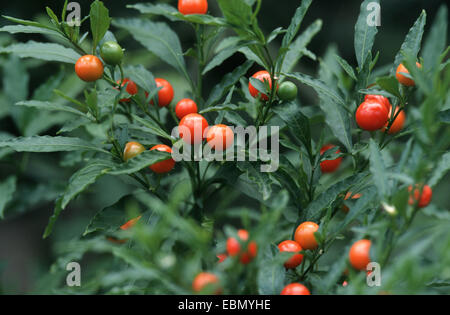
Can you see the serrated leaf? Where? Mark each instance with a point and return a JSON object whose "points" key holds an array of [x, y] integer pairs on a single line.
{"points": [[139, 162], [51, 106], [83, 178], [298, 48], [362, 204], [347, 68], [173, 14], [314, 210], [43, 51], [228, 81], [412, 42], [364, 34], [49, 144], [320, 87], [14, 29], [157, 38], [106, 220], [225, 107], [152, 127], [296, 21], [271, 278], [296, 121], [142, 77], [224, 54], [260, 179]]}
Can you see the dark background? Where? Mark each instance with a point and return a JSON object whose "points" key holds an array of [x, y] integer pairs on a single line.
{"points": [[25, 257]]}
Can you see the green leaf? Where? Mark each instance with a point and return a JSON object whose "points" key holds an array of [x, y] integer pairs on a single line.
{"points": [[52, 106], [52, 15], [271, 278], [333, 107], [436, 42], [43, 51], [78, 182], [320, 87], [228, 81], [224, 54], [296, 121], [378, 169], [412, 42], [83, 178], [298, 48], [106, 220], [361, 205], [338, 120], [364, 34], [225, 107], [260, 179], [440, 170], [49, 144], [100, 20], [296, 21], [14, 29], [51, 222], [390, 85], [139, 162], [314, 210], [236, 12], [28, 23], [157, 38], [7, 189], [173, 14], [142, 77], [152, 127], [347, 68]]}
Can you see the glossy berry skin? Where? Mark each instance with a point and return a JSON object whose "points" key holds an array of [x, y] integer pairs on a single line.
{"points": [[89, 68], [379, 99], [132, 149], [165, 95], [192, 6], [204, 279], [185, 107], [163, 166], [131, 88], [329, 166], [295, 289], [371, 115], [111, 53], [130, 223], [234, 247], [291, 247], [192, 128], [287, 91], [304, 235], [423, 198], [261, 76], [403, 79], [220, 137], [359, 254], [398, 123]]}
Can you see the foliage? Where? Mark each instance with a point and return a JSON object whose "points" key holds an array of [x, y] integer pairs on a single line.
{"points": [[188, 214]]}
